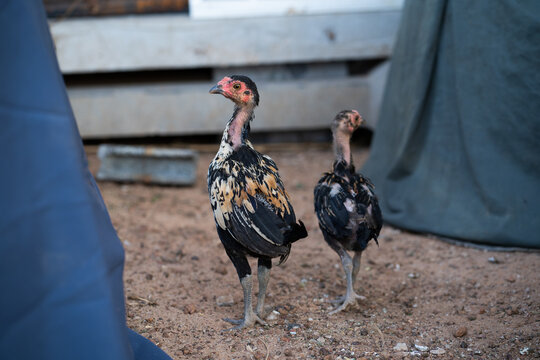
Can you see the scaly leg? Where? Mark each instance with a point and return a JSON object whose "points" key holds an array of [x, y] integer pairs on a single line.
{"points": [[350, 296], [263, 275], [244, 273], [250, 318], [356, 268]]}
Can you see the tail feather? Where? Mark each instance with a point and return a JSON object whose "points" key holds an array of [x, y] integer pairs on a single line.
{"points": [[297, 232], [375, 237]]}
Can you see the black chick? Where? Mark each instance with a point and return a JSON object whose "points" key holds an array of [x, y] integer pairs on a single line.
{"points": [[251, 207], [346, 205]]}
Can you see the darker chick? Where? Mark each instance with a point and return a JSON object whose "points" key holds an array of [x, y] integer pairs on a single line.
{"points": [[252, 211], [346, 205]]}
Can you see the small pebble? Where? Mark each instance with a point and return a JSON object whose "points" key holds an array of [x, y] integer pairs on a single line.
{"points": [[273, 315], [288, 352], [400, 347], [493, 260], [438, 351], [324, 351], [187, 350], [421, 348], [190, 309], [292, 326], [461, 332], [259, 355], [222, 270], [512, 311], [225, 300]]}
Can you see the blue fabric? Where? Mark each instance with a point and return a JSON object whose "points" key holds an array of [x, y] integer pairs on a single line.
{"points": [[456, 150], [61, 261]]}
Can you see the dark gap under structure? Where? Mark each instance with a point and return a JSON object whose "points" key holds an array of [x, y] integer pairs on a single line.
{"points": [[362, 137]]}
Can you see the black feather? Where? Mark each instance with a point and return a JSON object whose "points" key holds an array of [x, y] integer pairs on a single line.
{"points": [[262, 226], [352, 229]]}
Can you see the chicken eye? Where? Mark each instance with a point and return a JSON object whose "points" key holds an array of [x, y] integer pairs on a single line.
{"points": [[236, 86]]}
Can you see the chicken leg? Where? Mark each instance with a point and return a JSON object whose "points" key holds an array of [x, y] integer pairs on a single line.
{"points": [[356, 266], [263, 275], [250, 317], [351, 268]]}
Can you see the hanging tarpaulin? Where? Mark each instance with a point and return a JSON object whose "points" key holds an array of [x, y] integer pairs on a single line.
{"points": [[456, 152]]}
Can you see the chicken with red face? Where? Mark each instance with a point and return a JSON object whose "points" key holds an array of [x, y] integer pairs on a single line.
{"points": [[252, 210]]}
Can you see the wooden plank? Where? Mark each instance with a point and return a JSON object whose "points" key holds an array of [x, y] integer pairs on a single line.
{"points": [[173, 109], [71, 8], [174, 41], [211, 9]]}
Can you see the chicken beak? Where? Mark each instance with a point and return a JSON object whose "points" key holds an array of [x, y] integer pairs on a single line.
{"points": [[216, 90]]}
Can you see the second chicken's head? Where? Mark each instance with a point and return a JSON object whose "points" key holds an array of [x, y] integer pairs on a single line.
{"points": [[347, 121], [239, 88]]}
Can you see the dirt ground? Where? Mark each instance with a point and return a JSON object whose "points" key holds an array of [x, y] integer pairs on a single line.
{"points": [[440, 301]]}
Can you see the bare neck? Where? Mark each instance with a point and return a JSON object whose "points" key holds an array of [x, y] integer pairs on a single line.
{"points": [[237, 128], [342, 148]]}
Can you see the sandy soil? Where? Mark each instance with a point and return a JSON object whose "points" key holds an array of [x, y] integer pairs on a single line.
{"points": [[439, 300]]}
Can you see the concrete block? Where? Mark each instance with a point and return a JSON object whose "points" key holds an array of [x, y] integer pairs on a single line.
{"points": [[149, 165]]}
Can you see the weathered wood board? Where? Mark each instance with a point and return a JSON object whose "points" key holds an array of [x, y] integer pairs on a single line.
{"points": [[168, 41], [188, 108]]}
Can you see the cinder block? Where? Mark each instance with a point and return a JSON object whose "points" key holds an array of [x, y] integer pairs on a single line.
{"points": [[147, 164]]}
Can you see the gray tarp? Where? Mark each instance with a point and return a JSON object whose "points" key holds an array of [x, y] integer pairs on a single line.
{"points": [[456, 151]]}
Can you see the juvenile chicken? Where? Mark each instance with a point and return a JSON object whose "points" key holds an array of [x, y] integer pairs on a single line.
{"points": [[346, 205], [252, 211]]}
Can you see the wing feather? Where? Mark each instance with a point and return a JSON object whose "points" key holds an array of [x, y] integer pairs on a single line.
{"points": [[330, 197], [250, 202]]}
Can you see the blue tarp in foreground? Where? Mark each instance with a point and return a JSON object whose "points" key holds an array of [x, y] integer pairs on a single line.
{"points": [[61, 261]]}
